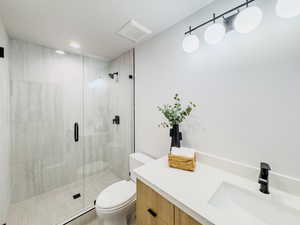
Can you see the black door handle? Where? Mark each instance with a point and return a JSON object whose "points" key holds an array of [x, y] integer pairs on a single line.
{"points": [[76, 132], [154, 214]]}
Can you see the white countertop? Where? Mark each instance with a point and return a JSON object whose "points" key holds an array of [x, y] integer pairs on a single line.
{"points": [[191, 191]]}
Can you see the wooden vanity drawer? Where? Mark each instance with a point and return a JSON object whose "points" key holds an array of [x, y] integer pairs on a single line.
{"points": [[152, 208], [181, 218]]}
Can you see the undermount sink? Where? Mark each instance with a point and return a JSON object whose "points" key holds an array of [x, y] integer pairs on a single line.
{"points": [[249, 208]]}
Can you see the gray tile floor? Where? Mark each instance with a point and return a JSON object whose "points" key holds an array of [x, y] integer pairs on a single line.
{"points": [[92, 219], [57, 205]]}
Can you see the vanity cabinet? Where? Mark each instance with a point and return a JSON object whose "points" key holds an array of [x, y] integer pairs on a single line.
{"points": [[181, 218], [153, 209]]}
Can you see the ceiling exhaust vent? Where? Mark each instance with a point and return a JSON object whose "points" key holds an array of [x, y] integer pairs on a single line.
{"points": [[134, 31]]}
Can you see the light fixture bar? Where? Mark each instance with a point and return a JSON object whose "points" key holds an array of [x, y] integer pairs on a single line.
{"points": [[218, 17]]}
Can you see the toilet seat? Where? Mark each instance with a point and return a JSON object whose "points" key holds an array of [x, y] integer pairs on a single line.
{"points": [[116, 196]]}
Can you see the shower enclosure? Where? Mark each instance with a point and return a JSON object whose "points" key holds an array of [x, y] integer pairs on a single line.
{"points": [[65, 146]]}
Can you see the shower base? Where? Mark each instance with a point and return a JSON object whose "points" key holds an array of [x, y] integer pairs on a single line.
{"points": [[58, 205]]}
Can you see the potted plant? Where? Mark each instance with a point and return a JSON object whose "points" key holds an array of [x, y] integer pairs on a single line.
{"points": [[175, 114]]}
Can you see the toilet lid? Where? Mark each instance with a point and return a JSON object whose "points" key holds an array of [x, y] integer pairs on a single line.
{"points": [[116, 195]]}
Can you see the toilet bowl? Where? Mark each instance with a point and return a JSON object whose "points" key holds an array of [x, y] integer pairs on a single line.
{"points": [[116, 203]]}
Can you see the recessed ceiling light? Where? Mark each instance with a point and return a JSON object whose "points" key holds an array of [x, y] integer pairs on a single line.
{"points": [[60, 52], [74, 44]]}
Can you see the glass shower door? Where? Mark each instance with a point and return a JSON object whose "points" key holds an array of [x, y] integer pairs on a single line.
{"points": [[73, 146], [97, 129], [47, 163], [107, 144]]}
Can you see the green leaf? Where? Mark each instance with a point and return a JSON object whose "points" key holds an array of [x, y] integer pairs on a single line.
{"points": [[175, 114]]}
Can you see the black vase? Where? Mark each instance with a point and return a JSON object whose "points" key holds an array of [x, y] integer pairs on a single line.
{"points": [[176, 136]]}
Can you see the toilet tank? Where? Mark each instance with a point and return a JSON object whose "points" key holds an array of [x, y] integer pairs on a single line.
{"points": [[137, 160]]}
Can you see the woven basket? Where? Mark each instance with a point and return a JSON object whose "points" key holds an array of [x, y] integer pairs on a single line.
{"points": [[181, 162]]}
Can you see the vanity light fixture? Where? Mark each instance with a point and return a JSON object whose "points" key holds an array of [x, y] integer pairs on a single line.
{"points": [[190, 43], [248, 19], [215, 33], [244, 22], [288, 8]]}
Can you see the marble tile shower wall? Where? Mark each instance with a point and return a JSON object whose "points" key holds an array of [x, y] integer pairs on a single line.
{"points": [[47, 92]]}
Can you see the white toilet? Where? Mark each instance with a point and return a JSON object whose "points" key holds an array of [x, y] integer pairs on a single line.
{"points": [[116, 203]]}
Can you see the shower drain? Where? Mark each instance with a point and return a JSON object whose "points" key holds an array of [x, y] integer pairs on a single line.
{"points": [[76, 196]]}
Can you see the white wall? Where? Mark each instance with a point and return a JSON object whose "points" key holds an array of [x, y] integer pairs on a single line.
{"points": [[4, 129], [246, 88]]}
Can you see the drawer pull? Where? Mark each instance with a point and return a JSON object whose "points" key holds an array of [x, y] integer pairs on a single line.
{"points": [[152, 212]]}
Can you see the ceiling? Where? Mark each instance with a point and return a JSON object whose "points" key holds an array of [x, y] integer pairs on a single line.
{"points": [[92, 23]]}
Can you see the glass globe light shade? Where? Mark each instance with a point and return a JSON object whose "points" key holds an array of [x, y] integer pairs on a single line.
{"points": [[248, 19], [288, 8], [215, 33], [190, 43]]}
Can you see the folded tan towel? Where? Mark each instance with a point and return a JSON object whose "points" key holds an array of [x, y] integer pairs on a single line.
{"points": [[182, 160]]}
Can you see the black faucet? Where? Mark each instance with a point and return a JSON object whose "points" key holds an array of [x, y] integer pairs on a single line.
{"points": [[263, 179], [116, 120]]}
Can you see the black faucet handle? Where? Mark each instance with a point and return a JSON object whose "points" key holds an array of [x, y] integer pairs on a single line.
{"points": [[265, 166], [262, 181]]}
